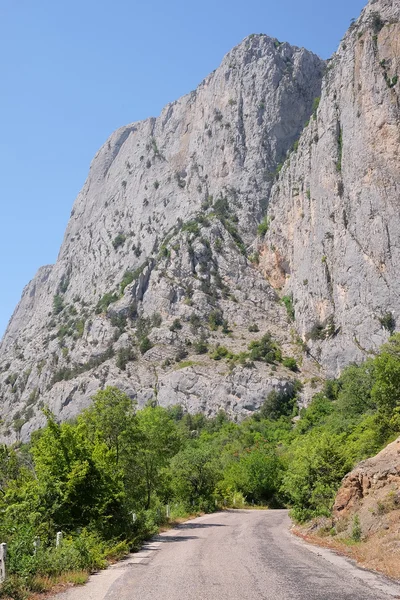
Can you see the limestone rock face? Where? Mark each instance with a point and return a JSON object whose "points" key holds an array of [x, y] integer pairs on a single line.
{"points": [[334, 237], [154, 266]]}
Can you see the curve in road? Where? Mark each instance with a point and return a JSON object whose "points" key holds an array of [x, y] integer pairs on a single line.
{"points": [[235, 555]]}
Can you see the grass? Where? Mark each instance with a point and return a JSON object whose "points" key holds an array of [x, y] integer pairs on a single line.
{"points": [[39, 586], [185, 363], [378, 552]]}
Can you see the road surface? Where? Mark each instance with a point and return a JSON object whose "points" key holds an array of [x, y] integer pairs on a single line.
{"points": [[234, 555]]}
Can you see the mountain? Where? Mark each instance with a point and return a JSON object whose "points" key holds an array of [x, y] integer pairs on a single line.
{"points": [[335, 223], [193, 226]]}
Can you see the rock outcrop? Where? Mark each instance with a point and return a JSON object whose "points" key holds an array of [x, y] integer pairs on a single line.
{"points": [[154, 267], [371, 491], [333, 242]]}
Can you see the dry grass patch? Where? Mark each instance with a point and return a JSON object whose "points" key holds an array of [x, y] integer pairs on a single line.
{"points": [[378, 552]]}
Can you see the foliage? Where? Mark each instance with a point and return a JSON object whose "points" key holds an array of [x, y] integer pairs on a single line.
{"points": [[105, 302], [215, 319], [388, 321], [119, 240], [176, 325], [124, 355], [88, 476], [290, 363], [288, 302], [145, 345], [265, 350], [316, 106], [263, 227], [58, 304]]}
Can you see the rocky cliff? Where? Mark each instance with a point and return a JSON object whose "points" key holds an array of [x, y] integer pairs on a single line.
{"points": [[153, 289], [192, 226], [371, 491], [367, 510], [333, 243]]}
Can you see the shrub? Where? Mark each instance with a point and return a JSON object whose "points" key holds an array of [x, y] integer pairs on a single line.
{"points": [[388, 321], [356, 529], [118, 320], [218, 245], [119, 240], [156, 319], [200, 347], [176, 325], [254, 328], [290, 363], [145, 345], [195, 322], [288, 302], [263, 227], [317, 332], [126, 280], [215, 319], [265, 350], [221, 352], [191, 227], [124, 355], [340, 151], [376, 22], [105, 302], [315, 106], [58, 304]]}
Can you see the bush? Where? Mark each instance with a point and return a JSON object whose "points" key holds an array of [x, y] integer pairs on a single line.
{"points": [[317, 332], [145, 345], [265, 350], [290, 363], [176, 325], [124, 355], [263, 227], [376, 22], [221, 352], [105, 302], [126, 280], [388, 322], [58, 304], [316, 106], [356, 529], [215, 319], [288, 302], [119, 240], [200, 347]]}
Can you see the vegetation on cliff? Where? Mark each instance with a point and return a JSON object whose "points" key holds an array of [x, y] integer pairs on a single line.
{"points": [[106, 478]]}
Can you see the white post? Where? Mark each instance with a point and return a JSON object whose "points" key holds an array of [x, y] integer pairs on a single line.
{"points": [[134, 517], [59, 539], [36, 545], [3, 556], [167, 511]]}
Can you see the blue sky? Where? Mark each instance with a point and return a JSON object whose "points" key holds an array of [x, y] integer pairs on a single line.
{"points": [[73, 71]]}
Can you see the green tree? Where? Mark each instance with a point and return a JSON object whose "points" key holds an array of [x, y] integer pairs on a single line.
{"points": [[159, 441], [386, 389], [195, 472], [317, 464]]}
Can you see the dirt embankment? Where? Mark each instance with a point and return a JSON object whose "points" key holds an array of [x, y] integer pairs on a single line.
{"points": [[366, 515]]}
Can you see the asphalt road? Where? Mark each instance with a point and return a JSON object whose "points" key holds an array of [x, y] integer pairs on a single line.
{"points": [[235, 555]]}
